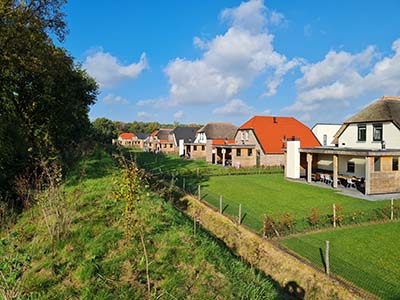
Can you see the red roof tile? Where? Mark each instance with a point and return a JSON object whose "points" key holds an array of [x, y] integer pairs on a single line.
{"points": [[272, 131], [126, 136], [222, 142]]}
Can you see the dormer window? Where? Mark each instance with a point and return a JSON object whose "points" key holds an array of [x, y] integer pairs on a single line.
{"points": [[377, 132], [362, 133]]}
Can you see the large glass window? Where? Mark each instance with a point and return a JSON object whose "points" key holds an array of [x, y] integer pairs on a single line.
{"points": [[377, 132], [350, 167], [249, 152], [362, 133], [238, 152]]}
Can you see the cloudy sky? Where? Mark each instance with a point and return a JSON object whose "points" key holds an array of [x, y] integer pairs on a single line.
{"points": [[217, 60]]}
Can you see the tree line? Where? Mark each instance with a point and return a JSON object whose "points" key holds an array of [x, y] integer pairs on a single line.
{"points": [[106, 130], [44, 96]]}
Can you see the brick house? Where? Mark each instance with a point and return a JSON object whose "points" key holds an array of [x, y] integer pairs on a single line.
{"points": [[139, 139], [261, 141], [206, 139], [126, 139]]}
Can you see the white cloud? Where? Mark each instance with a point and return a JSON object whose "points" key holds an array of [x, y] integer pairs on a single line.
{"points": [[111, 99], [230, 61], [146, 115], [179, 115], [342, 76], [108, 71], [155, 103], [235, 107], [267, 112]]}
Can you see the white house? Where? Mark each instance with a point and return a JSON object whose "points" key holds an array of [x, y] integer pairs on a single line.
{"points": [[325, 133], [367, 152]]}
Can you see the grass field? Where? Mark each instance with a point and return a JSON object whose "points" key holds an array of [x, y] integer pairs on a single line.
{"points": [[272, 194], [367, 256], [168, 164]]}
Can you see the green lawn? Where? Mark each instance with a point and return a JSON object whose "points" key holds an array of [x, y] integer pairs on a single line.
{"points": [[272, 194], [173, 164], [367, 256]]}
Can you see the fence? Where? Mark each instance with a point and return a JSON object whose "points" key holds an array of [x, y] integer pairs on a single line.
{"points": [[352, 268]]}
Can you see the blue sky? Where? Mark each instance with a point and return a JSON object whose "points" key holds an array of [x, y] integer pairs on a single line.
{"points": [[217, 60]]}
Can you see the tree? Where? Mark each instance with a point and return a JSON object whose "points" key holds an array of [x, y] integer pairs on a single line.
{"points": [[105, 130], [44, 96]]}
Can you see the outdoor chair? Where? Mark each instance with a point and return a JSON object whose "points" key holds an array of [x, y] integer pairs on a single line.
{"points": [[328, 179], [350, 183], [322, 179]]}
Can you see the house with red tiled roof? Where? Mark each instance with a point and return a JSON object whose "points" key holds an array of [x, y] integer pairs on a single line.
{"points": [[261, 141], [126, 139], [160, 140]]}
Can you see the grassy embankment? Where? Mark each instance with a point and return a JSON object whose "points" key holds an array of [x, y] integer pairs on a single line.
{"points": [[93, 259]]}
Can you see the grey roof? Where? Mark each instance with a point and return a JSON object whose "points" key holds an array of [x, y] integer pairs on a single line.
{"points": [[141, 135], [187, 134], [163, 134], [219, 130], [385, 109]]}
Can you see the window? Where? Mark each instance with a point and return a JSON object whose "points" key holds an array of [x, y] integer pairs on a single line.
{"points": [[377, 164], [238, 152], [194, 148], [203, 148], [242, 135], [246, 135], [350, 167], [395, 164], [170, 145], [249, 152], [377, 132], [325, 142], [362, 133]]}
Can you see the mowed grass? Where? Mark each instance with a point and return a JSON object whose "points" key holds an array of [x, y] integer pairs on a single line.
{"points": [[367, 256], [272, 194]]}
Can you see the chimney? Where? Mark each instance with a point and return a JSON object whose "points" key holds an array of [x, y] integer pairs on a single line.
{"points": [[275, 120]]}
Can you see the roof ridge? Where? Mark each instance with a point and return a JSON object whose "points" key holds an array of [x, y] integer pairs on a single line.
{"points": [[390, 98]]}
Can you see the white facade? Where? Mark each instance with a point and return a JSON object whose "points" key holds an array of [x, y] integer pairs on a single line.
{"points": [[391, 136], [325, 133], [292, 169], [201, 138]]}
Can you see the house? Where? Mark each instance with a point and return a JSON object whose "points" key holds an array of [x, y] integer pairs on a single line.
{"points": [[261, 141], [182, 135], [160, 140], [126, 139], [139, 139], [367, 152], [207, 137], [325, 132]]}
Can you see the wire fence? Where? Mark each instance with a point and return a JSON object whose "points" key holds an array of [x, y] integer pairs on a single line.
{"points": [[355, 270], [351, 267]]}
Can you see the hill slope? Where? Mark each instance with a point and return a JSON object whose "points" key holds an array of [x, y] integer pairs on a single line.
{"points": [[90, 257]]}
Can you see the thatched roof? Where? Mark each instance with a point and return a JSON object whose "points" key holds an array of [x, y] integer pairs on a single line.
{"points": [[219, 130], [387, 109]]}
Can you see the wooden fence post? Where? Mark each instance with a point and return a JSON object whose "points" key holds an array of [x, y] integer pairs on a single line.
{"points": [[391, 209], [220, 204], [240, 214], [327, 257], [334, 215], [199, 192]]}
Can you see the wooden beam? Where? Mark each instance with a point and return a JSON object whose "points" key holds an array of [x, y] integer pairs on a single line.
{"points": [[309, 166], [335, 170]]}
